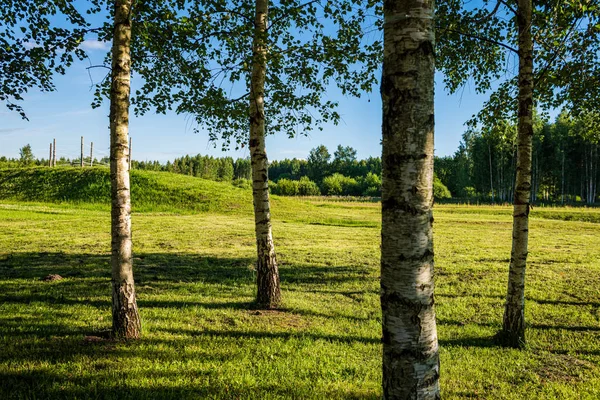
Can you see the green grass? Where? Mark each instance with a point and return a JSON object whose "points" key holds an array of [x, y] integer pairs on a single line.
{"points": [[150, 191], [195, 283]]}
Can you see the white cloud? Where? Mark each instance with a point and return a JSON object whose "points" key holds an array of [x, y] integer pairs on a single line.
{"points": [[93, 44]]}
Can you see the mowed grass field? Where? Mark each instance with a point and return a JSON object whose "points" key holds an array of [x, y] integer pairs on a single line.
{"points": [[202, 339]]}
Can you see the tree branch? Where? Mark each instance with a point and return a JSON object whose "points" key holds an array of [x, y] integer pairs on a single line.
{"points": [[276, 21], [556, 53], [239, 98], [483, 39], [505, 3], [494, 11], [98, 66], [239, 14]]}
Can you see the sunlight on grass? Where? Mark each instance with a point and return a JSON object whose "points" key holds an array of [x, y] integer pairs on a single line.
{"points": [[202, 339]]}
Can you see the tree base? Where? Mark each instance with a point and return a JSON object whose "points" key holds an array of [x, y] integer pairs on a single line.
{"points": [[509, 339]]}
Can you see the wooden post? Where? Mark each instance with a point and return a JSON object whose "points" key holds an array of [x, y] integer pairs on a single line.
{"points": [[81, 161], [129, 157], [54, 153], [50, 156], [91, 154]]}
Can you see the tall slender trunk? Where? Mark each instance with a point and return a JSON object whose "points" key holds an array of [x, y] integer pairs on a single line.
{"points": [[594, 171], [513, 327], [562, 186], [268, 293], [491, 174], [591, 178], [513, 174], [410, 345], [126, 318], [534, 179]]}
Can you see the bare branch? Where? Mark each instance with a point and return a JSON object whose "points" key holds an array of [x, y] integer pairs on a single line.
{"points": [[98, 66]]}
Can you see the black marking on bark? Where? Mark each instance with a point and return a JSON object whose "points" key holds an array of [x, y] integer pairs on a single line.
{"points": [[396, 299], [409, 353], [426, 256], [430, 381], [392, 160], [426, 47], [385, 336], [392, 204]]}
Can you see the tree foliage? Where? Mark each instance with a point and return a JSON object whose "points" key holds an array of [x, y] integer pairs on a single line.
{"points": [[33, 47], [195, 58], [478, 45]]}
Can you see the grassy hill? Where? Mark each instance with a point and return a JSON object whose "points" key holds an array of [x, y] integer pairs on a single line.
{"points": [[150, 191]]}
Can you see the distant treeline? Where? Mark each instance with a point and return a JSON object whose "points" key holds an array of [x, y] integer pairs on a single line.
{"points": [[343, 175], [565, 166], [565, 162]]}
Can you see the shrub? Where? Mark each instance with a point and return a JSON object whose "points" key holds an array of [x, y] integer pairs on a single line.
{"points": [[285, 187], [372, 191], [242, 183], [470, 191], [340, 185], [371, 185], [440, 191], [306, 187]]}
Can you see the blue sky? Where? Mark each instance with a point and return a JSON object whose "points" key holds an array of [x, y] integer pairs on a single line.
{"points": [[66, 115]]}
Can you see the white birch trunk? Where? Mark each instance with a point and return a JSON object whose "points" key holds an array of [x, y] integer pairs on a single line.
{"points": [[513, 327], [268, 293], [410, 346], [126, 319]]}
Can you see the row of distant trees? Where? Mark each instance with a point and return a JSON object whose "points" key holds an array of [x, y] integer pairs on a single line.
{"points": [[320, 174], [565, 166], [565, 162]]}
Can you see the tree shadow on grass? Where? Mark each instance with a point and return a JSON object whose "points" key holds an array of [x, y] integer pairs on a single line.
{"points": [[48, 385], [164, 385], [566, 302], [287, 335], [169, 267], [148, 267], [574, 328]]}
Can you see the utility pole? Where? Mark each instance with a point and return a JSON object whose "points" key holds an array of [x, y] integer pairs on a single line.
{"points": [[129, 157], [54, 153], [81, 161], [91, 154], [50, 156]]}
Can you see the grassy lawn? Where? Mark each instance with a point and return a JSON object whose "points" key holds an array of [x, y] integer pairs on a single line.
{"points": [[201, 339]]}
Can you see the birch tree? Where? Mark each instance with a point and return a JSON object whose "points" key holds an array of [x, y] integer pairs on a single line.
{"points": [[410, 346], [547, 41], [268, 292], [513, 325], [32, 50], [244, 70], [125, 316]]}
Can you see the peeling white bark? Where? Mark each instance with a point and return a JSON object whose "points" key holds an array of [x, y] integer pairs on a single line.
{"points": [[513, 327], [268, 293], [410, 347], [126, 318]]}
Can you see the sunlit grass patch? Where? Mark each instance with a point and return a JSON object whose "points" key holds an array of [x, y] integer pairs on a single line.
{"points": [[202, 338]]}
